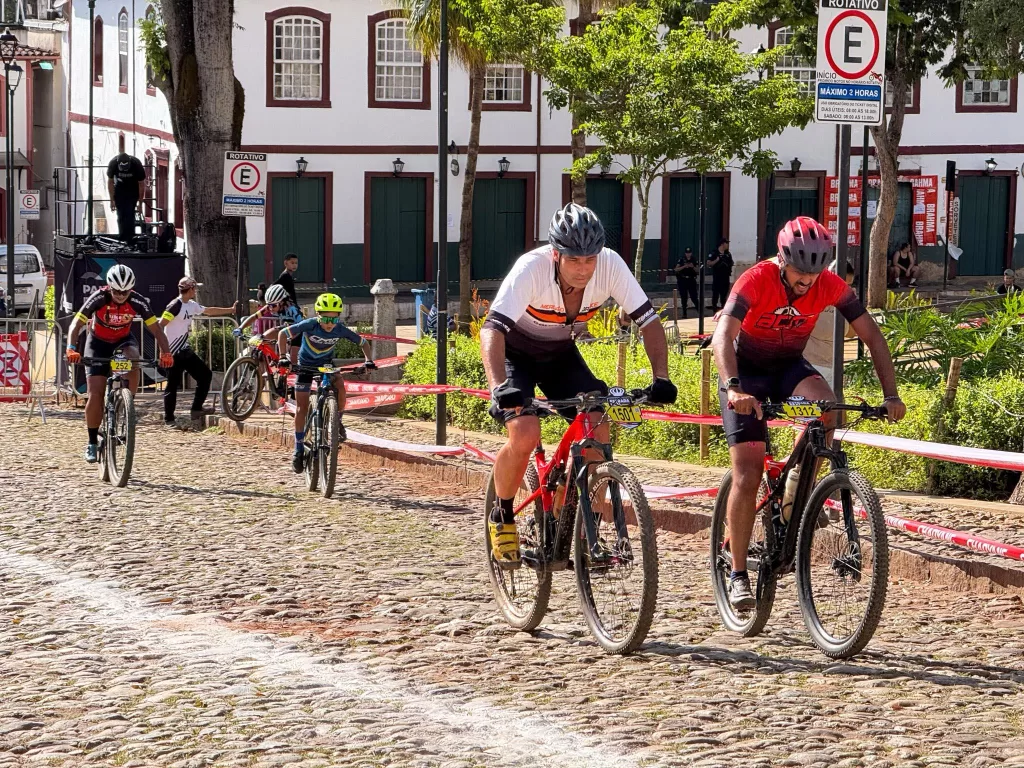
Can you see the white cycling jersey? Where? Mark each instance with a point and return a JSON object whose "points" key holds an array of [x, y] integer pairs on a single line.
{"points": [[530, 311]]}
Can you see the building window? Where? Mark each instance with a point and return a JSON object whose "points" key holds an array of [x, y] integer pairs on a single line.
{"points": [[799, 69], [977, 94], [399, 76], [913, 103], [298, 58], [97, 56], [507, 88], [122, 51], [150, 77]]}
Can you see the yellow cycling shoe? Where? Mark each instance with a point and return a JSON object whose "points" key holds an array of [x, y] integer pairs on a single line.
{"points": [[504, 544]]}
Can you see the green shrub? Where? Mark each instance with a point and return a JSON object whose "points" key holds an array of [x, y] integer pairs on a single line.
{"points": [[48, 306], [221, 343], [346, 350]]}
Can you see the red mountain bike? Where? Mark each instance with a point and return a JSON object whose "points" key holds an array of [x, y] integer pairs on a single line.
{"points": [[246, 377], [598, 505]]}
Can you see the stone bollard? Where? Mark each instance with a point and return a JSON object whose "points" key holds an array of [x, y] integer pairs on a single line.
{"points": [[384, 317]]}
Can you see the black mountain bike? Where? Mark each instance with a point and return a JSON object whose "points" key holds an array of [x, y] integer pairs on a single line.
{"points": [[116, 450], [323, 431], [602, 508], [831, 531]]}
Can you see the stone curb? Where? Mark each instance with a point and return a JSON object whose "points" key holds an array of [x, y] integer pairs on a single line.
{"points": [[904, 562]]}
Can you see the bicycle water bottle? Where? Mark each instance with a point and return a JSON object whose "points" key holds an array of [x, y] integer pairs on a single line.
{"points": [[789, 493]]}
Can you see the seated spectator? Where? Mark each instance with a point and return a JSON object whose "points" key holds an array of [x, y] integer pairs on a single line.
{"points": [[1009, 285]]}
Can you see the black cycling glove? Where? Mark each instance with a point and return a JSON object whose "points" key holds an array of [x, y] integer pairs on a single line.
{"points": [[506, 396], [662, 391]]}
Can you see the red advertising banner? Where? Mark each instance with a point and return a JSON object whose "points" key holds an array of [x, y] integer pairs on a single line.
{"points": [[924, 211]]}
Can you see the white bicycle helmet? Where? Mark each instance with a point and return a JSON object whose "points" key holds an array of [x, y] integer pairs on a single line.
{"points": [[275, 294], [121, 278]]}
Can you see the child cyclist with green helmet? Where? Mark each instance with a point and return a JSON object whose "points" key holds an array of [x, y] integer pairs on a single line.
{"points": [[317, 337]]}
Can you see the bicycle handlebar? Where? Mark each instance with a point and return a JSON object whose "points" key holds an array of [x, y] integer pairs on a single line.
{"points": [[315, 370], [141, 362], [775, 410], [586, 400]]}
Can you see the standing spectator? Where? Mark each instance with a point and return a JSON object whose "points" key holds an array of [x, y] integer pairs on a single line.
{"points": [[904, 266], [177, 323], [1009, 285], [686, 270], [720, 262], [291, 265], [126, 185], [167, 241]]}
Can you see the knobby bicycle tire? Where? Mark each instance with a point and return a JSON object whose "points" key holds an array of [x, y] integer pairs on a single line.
{"points": [[762, 542], [877, 551], [311, 446], [604, 627], [524, 613], [330, 421], [121, 443], [243, 371]]}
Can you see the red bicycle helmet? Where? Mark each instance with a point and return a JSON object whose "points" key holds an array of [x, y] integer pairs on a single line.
{"points": [[805, 244]]}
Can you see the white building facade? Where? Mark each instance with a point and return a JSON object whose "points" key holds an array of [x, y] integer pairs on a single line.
{"points": [[339, 86]]}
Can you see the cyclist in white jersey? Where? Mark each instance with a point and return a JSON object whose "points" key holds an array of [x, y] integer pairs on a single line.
{"points": [[529, 340]]}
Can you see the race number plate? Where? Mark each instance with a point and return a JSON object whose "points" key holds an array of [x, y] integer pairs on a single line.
{"points": [[801, 410], [626, 415], [120, 366], [325, 369], [255, 341]]}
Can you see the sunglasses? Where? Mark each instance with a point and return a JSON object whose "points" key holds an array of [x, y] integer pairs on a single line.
{"points": [[328, 320], [123, 294]]}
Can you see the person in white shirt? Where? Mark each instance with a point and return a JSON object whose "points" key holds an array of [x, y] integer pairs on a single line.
{"points": [[528, 341], [177, 324]]}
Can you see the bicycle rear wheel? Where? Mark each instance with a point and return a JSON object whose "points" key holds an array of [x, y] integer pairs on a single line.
{"points": [[330, 421], [522, 593], [842, 563], [619, 589], [242, 388], [121, 441], [762, 542]]}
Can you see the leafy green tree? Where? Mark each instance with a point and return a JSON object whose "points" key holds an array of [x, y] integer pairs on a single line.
{"points": [[188, 47], [996, 33], [480, 32], [922, 34], [683, 97]]}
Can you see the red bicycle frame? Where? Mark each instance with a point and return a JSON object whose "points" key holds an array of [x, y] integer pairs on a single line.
{"points": [[582, 428]]}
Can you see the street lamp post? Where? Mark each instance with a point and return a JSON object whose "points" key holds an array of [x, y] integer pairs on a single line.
{"points": [[8, 50]]}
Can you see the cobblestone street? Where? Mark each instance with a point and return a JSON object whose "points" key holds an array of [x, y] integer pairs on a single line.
{"points": [[214, 612]]}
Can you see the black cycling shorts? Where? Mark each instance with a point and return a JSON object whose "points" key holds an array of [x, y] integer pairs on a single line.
{"points": [[775, 384], [559, 378], [99, 348]]}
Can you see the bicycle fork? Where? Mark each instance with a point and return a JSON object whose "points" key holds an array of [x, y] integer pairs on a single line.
{"points": [[594, 548]]}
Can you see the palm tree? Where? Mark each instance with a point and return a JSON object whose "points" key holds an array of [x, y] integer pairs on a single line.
{"points": [[425, 27]]}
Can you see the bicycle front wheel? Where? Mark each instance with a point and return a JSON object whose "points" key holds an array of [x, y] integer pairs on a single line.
{"points": [[842, 563], [762, 542], [242, 388], [522, 592], [121, 440], [330, 430], [617, 583]]}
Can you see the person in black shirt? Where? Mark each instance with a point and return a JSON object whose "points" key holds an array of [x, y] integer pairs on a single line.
{"points": [[1008, 285], [686, 270], [291, 265], [720, 262], [168, 239], [126, 185]]}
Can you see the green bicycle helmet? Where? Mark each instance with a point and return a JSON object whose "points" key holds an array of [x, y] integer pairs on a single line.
{"points": [[328, 302]]}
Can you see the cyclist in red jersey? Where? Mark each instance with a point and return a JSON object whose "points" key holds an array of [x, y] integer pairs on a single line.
{"points": [[108, 313], [759, 344]]}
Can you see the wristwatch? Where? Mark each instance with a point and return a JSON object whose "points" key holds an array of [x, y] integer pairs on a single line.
{"points": [[732, 383]]}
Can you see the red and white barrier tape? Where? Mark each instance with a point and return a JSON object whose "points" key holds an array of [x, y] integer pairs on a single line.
{"points": [[378, 337]]}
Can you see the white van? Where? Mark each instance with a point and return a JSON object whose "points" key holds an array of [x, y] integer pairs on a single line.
{"points": [[29, 277]]}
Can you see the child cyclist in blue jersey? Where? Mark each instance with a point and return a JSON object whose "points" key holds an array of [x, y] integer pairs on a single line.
{"points": [[317, 337]]}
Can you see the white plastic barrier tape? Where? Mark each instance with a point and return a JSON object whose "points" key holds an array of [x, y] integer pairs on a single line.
{"points": [[396, 445], [979, 457]]}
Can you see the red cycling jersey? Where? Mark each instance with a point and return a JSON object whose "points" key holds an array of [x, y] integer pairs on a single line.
{"points": [[111, 321], [776, 324]]}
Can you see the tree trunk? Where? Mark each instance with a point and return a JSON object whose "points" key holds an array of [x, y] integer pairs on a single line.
{"points": [[579, 139], [887, 138], [207, 104], [476, 88], [644, 195]]}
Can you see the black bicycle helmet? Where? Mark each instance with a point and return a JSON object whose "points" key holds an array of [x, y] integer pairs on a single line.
{"points": [[576, 231]]}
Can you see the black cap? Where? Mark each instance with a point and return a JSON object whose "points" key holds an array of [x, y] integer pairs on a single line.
{"points": [[724, 241], [688, 250]]}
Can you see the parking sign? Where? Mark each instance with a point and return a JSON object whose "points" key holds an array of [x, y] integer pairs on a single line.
{"points": [[851, 61], [28, 204], [245, 184]]}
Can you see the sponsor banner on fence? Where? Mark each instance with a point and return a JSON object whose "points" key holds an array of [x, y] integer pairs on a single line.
{"points": [[924, 207], [15, 368]]}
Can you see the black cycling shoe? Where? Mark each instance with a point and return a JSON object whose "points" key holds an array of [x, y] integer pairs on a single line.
{"points": [[342, 434], [298, 463]]}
